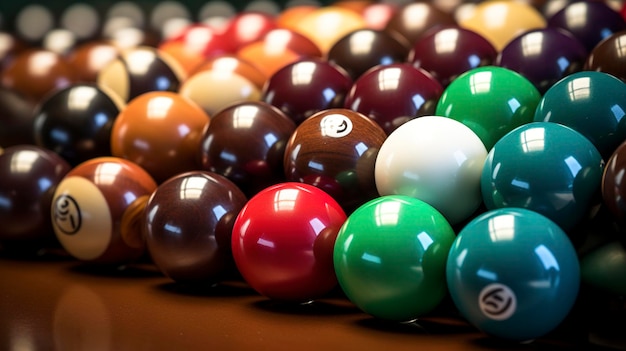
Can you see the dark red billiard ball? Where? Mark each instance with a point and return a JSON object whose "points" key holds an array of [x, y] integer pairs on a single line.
{"points": [[97, 210], [305, 87], [245, 142], [140, 70], [16, 118], [393, 94], [29, 176], [75, 122], [414, 19], [188, 226], [335, 150], [363, 49], [608, 56], [247, 27], [283, 241], [613, 185], [160, 131], [37, 72]]}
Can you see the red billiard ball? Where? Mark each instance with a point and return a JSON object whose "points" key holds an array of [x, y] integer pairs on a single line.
{"points": [[160, 131], [188, 225], [29, 176], [96, 210], [89, 58], [283, 241]]}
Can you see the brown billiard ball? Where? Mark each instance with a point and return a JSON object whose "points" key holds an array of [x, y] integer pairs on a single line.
{"points": [[140, 70], [414, 19], [16, 118], [29, 175], [96, 210], [75, 122], [188, 226], [89, 58], [246, 143], [336, 150], [161, 132]]}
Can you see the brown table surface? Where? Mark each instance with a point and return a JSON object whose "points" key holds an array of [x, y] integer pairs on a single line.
{"points": [[52, 302]]}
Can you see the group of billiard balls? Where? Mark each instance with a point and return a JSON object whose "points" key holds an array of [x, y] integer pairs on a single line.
{"points": [[428, 154]]}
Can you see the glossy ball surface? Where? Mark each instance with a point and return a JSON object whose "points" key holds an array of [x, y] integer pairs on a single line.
{"points": [[245, 142], [247, 27], [327, 24], [89, 58], [96, 210], [613, 186], [37, 72], [414, 19], [188, 224], [16, 118], [335, 150], [235, 65], [545, 167], [605, 268], [305, 87], [283, 241], [390, 257], [447, 52], [443, 167], [555, 54], [363, 49], [607, 56], [75, 122], [140, 70], [594, 21], [490, 100], [393, 94], [29, 176], [592, 103], [513, 274], [161, 132]]}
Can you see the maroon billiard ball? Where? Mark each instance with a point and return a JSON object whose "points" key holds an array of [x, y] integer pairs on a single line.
{"points": [[16, 118], [97, 210], [188, 226], [245, 142], [29, 176], [140, 70], [305, 87], [335, 150], [75, 122], [414, 19], [160, 131]]}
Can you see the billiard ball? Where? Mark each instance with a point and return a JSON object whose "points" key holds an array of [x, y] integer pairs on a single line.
{"points": [[414, 19], [16, 118], [10, 47], [289, 17], [556, 53], [283, 241], [75, 122], [606, 56], [215, 89], [89, 58], [513, 274], [37, 72], [447, 51], [592, 103], [393, 94], [595, 21], [545, 167], [96, 210], [501, 21], [363, 49], [377, 15], [29, 176], [140, 70], [390, 257], [188, 226], [231, 64], [160, 131], [443, 167], [246, 142], [335, 150], [613, 186], [490, 100], [604, 268], [305, 87], [247, 27], [278, 48]]}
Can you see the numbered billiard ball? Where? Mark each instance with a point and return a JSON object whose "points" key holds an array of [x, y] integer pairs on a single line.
{"points": [[97, 209], [160, 131], [75, 122], [390, 257], [443, 167], [545, 167], [29, 176], [283, 241], [335, 150], [513, 273], [188, 226]]}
